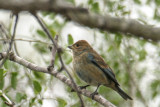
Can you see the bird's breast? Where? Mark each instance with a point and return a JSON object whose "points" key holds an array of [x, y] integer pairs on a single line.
{"points": [[88, 72]]}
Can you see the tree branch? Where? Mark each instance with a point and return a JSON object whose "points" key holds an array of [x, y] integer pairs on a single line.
{"points": [[12, 40], [82, 16], [59, 51], [59, 76], [8, 101], [25, 40], [53, 50]]}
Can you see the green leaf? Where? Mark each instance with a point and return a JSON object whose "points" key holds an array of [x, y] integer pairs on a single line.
{"points": [[32, 102], [14, 79], [52, 15], [61, 102], [1, 92], [142, 55], [138, 94], [143, 21], [40, 48], [3, 104], [125, 78], [154, 94], [110, 48], [118, 39], [56, 25], [69, 61], [148, 2], [137, 1], [140, 74], [116, 65], [70, 39], [76, 104], [41, 33], [37, 87], [157, 14], [72, 1], [6, 64], [157, 2], [103, 90], [120, 7], [53, 33], [126, 12], [40, 101], [39, 75], [45, 13], [1, 79], [111, 5], [155, 84], [95, 7], [90, 2], [20, 96], [142, 42]]}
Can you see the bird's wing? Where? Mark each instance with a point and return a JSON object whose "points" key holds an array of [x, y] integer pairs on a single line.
{"points": [[99, 62]]}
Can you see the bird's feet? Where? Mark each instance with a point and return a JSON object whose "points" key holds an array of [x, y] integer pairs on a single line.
{"points": [[93, 94], [81, 87], [50, 68], [84, 87], [72, 90]]}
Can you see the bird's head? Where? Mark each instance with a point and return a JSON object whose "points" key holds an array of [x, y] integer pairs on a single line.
{"points": [[80, 47]]}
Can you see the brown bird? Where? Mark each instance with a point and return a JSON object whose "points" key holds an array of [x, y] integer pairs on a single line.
{"points": [[92, 69]]}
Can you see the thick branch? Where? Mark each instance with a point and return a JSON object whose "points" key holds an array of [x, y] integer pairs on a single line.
{"points": [[82, 16], [59, 76]]}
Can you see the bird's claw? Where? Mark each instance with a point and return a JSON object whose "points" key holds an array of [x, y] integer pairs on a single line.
{"points": [[93, 94], [81, 87], [84, 87], [50, 68], [72, 90]]}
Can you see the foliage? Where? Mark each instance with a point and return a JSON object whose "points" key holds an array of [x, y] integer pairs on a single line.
{"points": [[125, 55]]}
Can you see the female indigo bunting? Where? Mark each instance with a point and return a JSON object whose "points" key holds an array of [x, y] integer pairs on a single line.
{"points": [[92, 69]]}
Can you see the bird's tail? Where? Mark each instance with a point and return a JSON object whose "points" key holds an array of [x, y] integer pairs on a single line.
{"points": [[122, 93]]}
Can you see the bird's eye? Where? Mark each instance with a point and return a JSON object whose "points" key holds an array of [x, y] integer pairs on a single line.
{"points": [[77, 45]]}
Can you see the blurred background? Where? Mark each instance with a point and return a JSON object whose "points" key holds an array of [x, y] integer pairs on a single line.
{"points": [[135, 61]]}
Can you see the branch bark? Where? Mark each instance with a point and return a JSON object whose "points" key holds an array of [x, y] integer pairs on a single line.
{"points": [[59, 55], [8, 101], [82, 16], [59, 76], [12, 40]]}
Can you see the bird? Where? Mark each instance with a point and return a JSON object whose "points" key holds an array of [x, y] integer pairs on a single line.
{"points": [[92, 69]]}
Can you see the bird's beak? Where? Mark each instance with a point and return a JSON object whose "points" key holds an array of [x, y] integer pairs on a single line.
{"points": [[70, 47]]}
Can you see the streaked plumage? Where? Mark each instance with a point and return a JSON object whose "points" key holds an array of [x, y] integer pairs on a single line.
{"points": [[92, 69]]}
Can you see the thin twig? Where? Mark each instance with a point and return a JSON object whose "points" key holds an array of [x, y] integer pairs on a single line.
{"points": [[11, 43], [54, 50], [2, 28], [100, 99], [60, 57], [8, 101], [15, 48], [25, 40]]}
